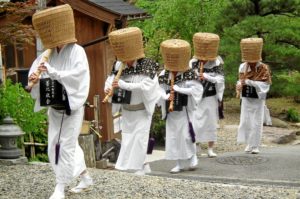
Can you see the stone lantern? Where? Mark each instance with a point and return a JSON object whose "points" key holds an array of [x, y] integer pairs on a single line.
{"points": [[9, 132]]}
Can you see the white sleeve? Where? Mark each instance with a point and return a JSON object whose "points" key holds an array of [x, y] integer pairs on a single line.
{"points": [[35, 90], [145, 85], [108, 82], [210, 78], [129, 86], [186, 91]]}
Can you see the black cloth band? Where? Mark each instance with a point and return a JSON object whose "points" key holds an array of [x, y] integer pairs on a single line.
{"points": [[144, 66], [187, 75]]}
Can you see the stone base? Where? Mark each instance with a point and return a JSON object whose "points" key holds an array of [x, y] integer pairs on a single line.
{"points": [[101, 164], [9, 162]]}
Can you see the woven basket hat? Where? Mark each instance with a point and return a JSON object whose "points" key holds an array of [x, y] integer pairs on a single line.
{"points": [[206, 45], [176, 54], [127, 43], [251, 49], [55, 26]]}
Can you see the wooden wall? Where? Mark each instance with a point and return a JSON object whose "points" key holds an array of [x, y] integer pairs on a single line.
{"points": [[88, 29]]}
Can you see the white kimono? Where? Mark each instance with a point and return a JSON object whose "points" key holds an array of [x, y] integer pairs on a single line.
{"points": [[135, 124], [206, 116], [252, 111], [179, 145], [69, 67]]}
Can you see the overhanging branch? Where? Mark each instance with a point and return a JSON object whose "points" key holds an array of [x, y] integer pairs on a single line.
{"points": [[288, 42]]}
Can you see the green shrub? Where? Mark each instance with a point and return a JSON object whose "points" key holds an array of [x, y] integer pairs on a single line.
{"points": [[40, 157], [293, 115], [286, 84], [18, 104], [158, 128]]}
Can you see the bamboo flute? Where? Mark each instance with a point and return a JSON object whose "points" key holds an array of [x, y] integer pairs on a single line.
{"points": [[171, 106], [201, 70], [38, 72], [117, 77], [242, 77]]}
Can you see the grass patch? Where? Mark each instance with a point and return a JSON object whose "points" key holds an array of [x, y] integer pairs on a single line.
{"points": [[277, 106]]}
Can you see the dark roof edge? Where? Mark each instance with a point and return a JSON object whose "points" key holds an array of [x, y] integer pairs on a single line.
{"points": [[130, 17]]}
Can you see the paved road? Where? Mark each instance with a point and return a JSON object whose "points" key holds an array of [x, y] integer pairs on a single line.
{"points": [[273, 166]]}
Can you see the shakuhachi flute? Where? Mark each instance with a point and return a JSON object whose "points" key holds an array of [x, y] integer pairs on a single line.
{"points": [[117, 77], [201, 70], [38, 72], [171, 106], [242, 77]]}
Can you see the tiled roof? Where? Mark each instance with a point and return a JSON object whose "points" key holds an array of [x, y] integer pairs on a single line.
{"points": [[122, 8]]}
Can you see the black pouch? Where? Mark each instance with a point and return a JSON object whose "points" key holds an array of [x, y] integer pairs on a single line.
{"points": [[249, 91], [121, 96], [52, 93]]}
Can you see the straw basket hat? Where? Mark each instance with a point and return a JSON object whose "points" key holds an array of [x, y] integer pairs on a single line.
{"points": [[206, 45], [55, 26], [127, 43], [251, 49], [176, 54]]}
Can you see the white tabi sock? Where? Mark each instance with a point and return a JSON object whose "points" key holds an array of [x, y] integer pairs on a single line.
{"points": [[85, 183], [211, 153], [59, 191]]}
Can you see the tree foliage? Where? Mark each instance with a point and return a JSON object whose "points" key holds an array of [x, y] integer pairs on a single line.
{"points": [[14, 27], [176, 19], [276, 21]]}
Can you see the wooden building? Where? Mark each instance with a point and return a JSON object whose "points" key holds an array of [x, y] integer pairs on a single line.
{"points": [[94, 19]]}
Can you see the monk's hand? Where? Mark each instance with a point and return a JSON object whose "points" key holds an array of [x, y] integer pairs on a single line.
{"points": [[201, 76], [107, 91], [171, 97], [33, 77], [42, 67], [115, 84], [238, 87]]}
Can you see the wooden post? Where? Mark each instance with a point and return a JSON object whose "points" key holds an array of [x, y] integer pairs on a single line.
{"points": [[22, 146], [32, 147], [2, 69], [86, 142]]}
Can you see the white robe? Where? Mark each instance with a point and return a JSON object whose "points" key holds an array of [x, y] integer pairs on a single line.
{"points": [[267, 116], [252, 112], [179, 145], [135, 124], [206, 115], [70, 67]]}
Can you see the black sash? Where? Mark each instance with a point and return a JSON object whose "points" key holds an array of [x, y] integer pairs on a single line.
{"points": [[216, 69], [53, 93], [121, 96], [249, 91], [180, 100]]}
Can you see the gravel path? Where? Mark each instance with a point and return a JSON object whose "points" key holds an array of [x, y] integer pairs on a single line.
{"points": [[37, 182], [227, 135]]}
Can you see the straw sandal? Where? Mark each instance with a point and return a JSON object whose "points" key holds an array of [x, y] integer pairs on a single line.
{"points": [[83, 186]]}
